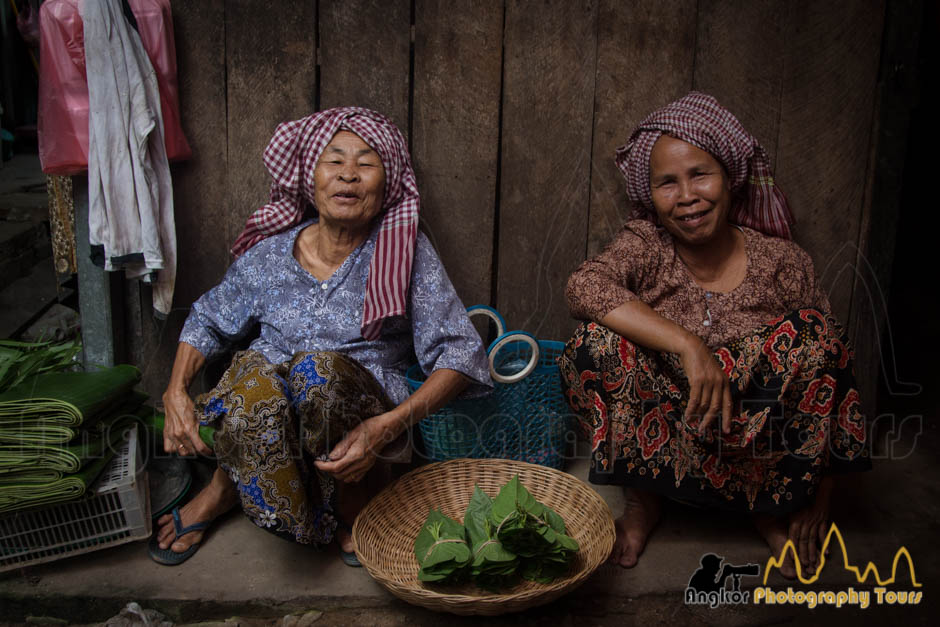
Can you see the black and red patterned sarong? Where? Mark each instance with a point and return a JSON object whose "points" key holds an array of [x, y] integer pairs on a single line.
{"points": [[796, 415]]}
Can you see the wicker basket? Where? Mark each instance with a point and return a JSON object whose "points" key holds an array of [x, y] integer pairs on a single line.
{"points": [[386, 528]]}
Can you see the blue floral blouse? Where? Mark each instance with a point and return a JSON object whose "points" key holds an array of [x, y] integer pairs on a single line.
{"points": [[297, 312]]}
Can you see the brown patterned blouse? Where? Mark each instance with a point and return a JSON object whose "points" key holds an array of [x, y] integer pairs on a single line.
{"points": [[642, 263]]}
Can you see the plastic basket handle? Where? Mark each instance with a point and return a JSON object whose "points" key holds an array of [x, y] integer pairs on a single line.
{"points": [[500, 342], [492, 314]]}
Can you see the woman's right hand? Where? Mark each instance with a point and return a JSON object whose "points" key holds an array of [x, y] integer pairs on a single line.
{"points": [[709, 387], [181, 430]]}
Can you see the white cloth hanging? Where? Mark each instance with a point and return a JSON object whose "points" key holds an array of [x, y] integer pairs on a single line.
{"points": [[130, 193]]}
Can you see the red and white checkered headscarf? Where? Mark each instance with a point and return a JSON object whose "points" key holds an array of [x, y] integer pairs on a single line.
{"points": [[701, 121], [292, 156]]}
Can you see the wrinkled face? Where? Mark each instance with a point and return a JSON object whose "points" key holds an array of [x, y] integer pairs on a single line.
{"points": [[349, 182], [691, 192]]}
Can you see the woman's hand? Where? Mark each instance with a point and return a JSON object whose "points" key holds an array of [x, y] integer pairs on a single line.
{"points": [[181, 429], [352, 458], [710, 390], [709, 387], [355, 454]]}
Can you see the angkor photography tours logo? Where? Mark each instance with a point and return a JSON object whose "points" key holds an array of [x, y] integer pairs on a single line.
{"points": [[717, 582]]}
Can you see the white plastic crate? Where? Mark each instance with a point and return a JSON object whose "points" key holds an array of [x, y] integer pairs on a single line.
{"points": [[118, 511]]}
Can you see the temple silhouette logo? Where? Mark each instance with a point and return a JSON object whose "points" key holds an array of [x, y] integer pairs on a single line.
{"points": [[880, 594], [860, 575]]}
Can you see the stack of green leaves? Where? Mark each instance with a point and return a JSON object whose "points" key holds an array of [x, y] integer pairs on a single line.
{"points": [[58, 430], [533, 531], [511, 536], [492, 567], [441, 549]]}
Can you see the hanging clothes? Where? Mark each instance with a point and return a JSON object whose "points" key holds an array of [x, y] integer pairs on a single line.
{"points": [[62, 222], [63, 91], [130, 193]]}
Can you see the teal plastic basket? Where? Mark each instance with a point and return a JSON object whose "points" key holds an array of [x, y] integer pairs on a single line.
{"points": [[525, 421]]}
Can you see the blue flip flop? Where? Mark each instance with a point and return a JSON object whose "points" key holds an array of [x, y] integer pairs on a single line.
{"points": [[349, 558], [169, 557]]}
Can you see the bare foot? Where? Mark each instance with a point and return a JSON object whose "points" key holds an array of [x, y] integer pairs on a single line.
{"points": [[808, 527], [774, 530], [345, 540], [212, 501], [639, 518]]}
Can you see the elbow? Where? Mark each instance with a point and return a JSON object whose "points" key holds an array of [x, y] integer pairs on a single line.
{"points": [[574, 291]]}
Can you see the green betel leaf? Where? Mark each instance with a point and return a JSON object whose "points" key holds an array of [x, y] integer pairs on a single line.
{"points": [[487, 550], [501, 539], [475, 518], [441, 549], [447, 550], [545, 570], [430, 532], [525, 500], [20, 360], [514, 503], [552, 518], [504, 505], [532, 531], [567, 542]]}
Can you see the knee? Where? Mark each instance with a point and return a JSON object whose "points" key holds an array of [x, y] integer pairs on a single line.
{"points": [[592, 350], [593, 341], [306, 370], [818, 322], [825, 328], [257, 392]]}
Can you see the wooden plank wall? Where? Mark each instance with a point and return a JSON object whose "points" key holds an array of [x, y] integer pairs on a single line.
{"points": [[513, 110]]}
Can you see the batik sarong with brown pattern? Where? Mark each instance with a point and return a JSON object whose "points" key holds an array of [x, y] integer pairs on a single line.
{"points": [[274, 420], [796, 415]]}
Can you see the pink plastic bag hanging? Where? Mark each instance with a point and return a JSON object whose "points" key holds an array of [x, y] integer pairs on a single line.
{"points": [[63, 91]]}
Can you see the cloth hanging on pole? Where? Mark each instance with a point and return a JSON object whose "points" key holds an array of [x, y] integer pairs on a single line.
{"points": [[130, 193], [62, 223]]}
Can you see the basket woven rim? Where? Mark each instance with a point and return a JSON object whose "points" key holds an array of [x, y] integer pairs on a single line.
{"points": [[489, 604]]}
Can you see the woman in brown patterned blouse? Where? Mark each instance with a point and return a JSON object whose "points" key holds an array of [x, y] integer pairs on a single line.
{"points": [[710, 368]]}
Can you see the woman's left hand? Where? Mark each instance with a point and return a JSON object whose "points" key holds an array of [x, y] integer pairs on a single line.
{"points": [[355, 454], [352, 458]]}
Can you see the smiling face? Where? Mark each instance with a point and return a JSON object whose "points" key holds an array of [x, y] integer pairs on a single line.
{"points": [[691, 192], [349, 182]]}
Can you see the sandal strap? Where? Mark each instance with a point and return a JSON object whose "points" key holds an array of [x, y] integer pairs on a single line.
{"points": [[180, 530]]}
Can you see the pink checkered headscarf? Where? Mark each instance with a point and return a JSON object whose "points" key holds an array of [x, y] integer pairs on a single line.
{"points": [[701, 121], [291, 158]]}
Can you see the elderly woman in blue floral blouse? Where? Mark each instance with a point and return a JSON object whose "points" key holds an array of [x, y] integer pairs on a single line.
{"points": [[344, 301]]}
